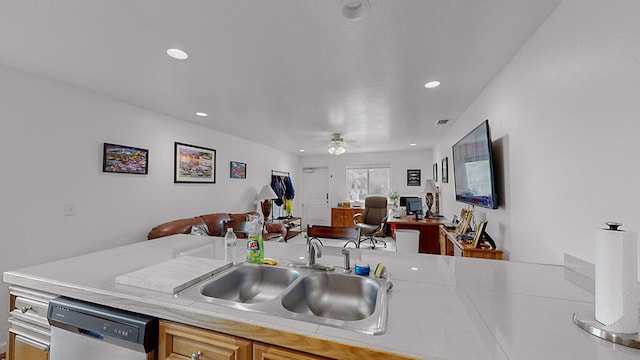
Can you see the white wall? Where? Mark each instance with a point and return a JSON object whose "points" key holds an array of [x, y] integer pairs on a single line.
{"points": [[400, 162], [51, 140], [564, 115]]}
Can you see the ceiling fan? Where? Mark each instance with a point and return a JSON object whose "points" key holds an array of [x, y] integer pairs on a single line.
{"points": [[337, 146]]}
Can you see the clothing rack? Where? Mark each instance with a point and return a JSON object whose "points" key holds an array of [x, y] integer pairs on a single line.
{"points": [[280, 173]]}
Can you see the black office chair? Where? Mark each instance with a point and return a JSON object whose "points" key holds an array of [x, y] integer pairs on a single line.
{"points": [[373, 220]]}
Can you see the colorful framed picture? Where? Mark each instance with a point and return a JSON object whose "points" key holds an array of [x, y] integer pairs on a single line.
{"points": [[435, 172], [194, 164], [125, 159], [238, 170], [413, 177], [445, 170]]}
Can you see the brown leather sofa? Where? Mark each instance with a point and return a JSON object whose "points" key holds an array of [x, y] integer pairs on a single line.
{"points": [[214, 223]]}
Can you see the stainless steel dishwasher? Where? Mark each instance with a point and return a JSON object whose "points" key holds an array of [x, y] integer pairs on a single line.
{"points": [[82, 330]]}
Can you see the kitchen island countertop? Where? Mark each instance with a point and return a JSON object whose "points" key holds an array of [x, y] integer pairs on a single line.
{"points": [[440, 307]]}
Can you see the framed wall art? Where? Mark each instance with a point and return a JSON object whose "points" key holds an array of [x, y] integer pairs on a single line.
{"points": [[413, 177], [237, 170], [194, 164], [445, 170], [125, 159], [435, 172]]}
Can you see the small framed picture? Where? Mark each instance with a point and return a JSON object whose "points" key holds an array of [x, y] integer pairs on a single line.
{"points": [[238, 170], [445, 170], [435, 172], [125, 159], [194, 164], [413, 177], [476, 239]]}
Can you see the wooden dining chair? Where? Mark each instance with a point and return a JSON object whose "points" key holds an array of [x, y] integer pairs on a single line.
{"points": [[350, 234]]}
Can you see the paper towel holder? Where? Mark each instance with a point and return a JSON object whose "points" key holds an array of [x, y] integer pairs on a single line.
{"points": [[594, 327]]}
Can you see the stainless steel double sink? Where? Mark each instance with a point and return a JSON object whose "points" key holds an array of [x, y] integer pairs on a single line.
{"points": [[358, 303]]}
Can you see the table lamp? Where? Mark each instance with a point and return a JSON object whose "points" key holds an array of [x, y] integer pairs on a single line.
{"points": [[431, 190], [266, 195]]}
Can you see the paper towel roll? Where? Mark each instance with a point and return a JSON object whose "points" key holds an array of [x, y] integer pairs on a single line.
{"points": [[617, 280]]}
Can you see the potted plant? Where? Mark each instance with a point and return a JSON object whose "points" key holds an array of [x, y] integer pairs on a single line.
{"points": [[393, 197]]}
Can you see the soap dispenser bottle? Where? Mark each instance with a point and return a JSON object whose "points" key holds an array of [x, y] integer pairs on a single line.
{"points": [[255, 245]]}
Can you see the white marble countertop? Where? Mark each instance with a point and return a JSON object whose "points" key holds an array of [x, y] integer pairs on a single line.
{"points": [[440, 307]]}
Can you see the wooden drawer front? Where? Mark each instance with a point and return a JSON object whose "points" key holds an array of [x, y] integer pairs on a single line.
{"points": [[27, 349], [270, 352], [182, 342], [30, 331], [30, 310]]}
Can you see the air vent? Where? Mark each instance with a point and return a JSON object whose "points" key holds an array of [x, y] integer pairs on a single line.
{"points": [[442, 122]]}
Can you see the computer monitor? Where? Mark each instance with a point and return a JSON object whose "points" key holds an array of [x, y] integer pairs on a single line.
{"points": [[403, 200], [414, 207]]}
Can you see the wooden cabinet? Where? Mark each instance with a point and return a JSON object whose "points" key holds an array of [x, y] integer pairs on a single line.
{"points": [[29, 330], [270, 352], [343, 217], [178, 341], [449, 245]]}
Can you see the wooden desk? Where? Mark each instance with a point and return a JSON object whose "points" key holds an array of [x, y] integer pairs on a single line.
{"points": [[343, 217], [428, 243], [449, 245]]}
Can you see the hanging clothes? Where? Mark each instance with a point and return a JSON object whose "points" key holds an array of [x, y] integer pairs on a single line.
{"points": [[278, 187], [289, 191]]}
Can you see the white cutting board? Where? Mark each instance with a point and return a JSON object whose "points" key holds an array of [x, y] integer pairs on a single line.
{"points": [[174, 275]]}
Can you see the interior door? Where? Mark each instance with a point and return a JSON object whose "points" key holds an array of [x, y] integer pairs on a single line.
{"points": [[315, 201]]}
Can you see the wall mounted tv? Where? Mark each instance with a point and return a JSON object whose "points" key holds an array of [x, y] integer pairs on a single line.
{"points": [[473, 168]]}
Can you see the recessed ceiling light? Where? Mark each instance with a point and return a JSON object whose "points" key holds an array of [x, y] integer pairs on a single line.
{"points": [[432, 84], [301, 150], [202, 114], [413, 144], [177, 54], [414, 268]]}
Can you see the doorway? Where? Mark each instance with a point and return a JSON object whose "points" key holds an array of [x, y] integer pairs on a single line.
{"points": [[315, 201]]}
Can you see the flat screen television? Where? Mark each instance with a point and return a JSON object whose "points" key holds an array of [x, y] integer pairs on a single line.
{"points": [[473, 168], [414, 207]]}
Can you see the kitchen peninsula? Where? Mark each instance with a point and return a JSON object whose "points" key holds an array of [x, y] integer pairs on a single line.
{"points": [[440, 307]]}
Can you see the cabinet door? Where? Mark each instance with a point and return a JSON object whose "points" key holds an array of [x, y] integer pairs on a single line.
{"points": [[185, 342], [337, 217], [269, 352], [23, 348]]}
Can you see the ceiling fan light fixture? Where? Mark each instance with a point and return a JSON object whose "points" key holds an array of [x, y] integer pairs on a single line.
{"points": [[340, 150]]}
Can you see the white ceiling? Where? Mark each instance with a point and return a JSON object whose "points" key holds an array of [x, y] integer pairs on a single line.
{"points": [[288, 73]]}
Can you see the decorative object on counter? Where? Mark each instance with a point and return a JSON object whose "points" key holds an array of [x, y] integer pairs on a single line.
{"points": [[125, 159], [237, 170], [616, 290], [465, 221], [266, 196], [194, 164], [431, 192], [445, 170], [413, 177]]}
